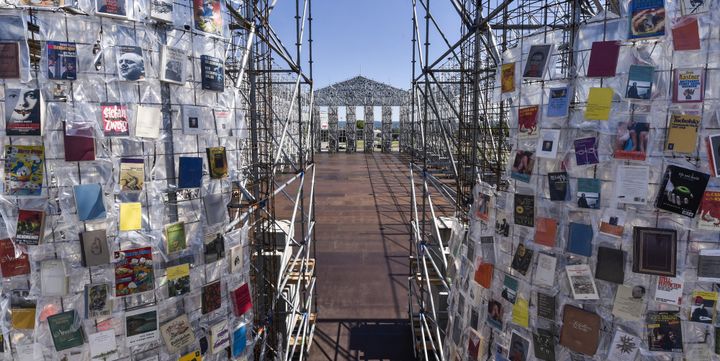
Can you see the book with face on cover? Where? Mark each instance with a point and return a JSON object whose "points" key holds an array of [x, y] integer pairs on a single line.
{"points": [[66, 330], [537, 60], [193, 121], [580, 331], [709, 212], [214, 247], [111, 8], [172, 61], [62, 60], [97, 300], [548, 143], [703, 306], [130, 62], [30, 227], [640, 82], [24, 111]]}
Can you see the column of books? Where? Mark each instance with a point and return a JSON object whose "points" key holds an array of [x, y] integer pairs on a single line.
{"points": [[602, 241], [122, 141]]}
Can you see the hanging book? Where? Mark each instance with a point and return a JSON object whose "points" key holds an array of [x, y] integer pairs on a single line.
{"points": [[546, 231], [43, 3], [219, 337], [582, 283], [709, 218], [13, 264], [223, 122], [527, 121], [162, 10], [241, 300], [686, 33], [603, 58], [713, 150], [682, 133], [647, 19], [558, 102], [522, 259], [134, 271], [27, 114], [95, 251], [654, 251], [612, 222], [97, 300], [24, 168], [631, 184], [624, 347], [681, 190], [192, 120], [190, 172], [588, 193], [689, 7], [580, 238], [89, 202], [9, 60], [130, 63], [640, 80], [586, 151], [523, 165], [544, 275], [599, 104], [178, 280], [548, 143], [688, 85], [78, 147], [664, 331], [632, 138], [141, 326], [130, 216], [30, 227], [708, 265], [66, 330], [208, 16], [172, 62], [558, 186], [149, 120], [211, 297], [62, 60], [217, 162], [114, 119], [537, 61], [103, 345], [702, 307], [132, 174], [213, 247], [507, 76], [111, 8], [525, 210], [175, 237], [610, 265], [212, 73], [580, 331]]}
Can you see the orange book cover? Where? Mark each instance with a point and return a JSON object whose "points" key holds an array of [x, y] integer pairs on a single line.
{"points": [[545, 231], [686, 35], [484, 274]]}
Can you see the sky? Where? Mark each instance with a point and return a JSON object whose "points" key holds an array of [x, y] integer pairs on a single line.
{"points": [[372, 38]]}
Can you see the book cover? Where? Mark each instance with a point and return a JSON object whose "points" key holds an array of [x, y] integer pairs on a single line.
{"points": [[495, 314], [215, 208], [709, 211], [580, 331], [610, 265], [524, 212], [654, 251], [519, 347], [669, 290], [192, 120], [624, 346], [111, 8], [190, 172], [476, 344], [702, 309], [509, 290], [217, 162], [141, 326], [544, 345], [175, 240], [483, 274], [588, 193], [548, 142], [521, 313], [103, 346], [522, 259], [236, 258], [22, 310], [114, 119], [130, 216], [586, 151], [211, 297], [688, 85], [95, 251], [219, 337], [603, 58], [640, 80], [53, 278], [130, 62], [558, 102], [24, 168], [177, 334], [713, 150], [9, 60], [582, 283], [686, 34], [134, 271], [599, 104], [647, 19], [27, 114], [546, 306], [507, 76], [580, 238], [629, 303], [223, 122], [212, 72], [537, 61], [546, 231], [682, 133], [632, 138], [11, 263], [132, 174], [612, 222], [66, 330], [178, 280], [523, 165], [172, 60], [631, 184], [681, 190], [558, 186], [664, 331], [192, 356], [97, 300], [30, 227], [213, 247], [527, 121], [89, 201], [208, 16], [78, 147], [688, 7], [62, 60], [544, 275], [708, 267], [162, 10], [241, 300], [239, 341]]}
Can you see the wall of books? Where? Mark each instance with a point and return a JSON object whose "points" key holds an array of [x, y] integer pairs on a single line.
{"points": [[603, 242], [123, 136]]}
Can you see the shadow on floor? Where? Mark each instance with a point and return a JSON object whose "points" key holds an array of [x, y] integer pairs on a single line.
{"points": [[380, 339]]}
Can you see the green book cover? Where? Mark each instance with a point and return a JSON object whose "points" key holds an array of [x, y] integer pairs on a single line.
{"points": [[175, 237], [66, 330]]}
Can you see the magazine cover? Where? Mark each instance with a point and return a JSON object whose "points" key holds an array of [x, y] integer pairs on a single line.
{"points": [[688, 85], [114, 119], [28, 111], [172, 64], [130, 63], [62, 60], [639, 85], [647, 19], [710, 211], [24, 169], [664, 331], [632, 138], [523, 165], [208, 16], [681, 190], [134, 271]]}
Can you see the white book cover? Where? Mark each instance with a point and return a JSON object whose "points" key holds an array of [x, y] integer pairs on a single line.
{"points": [[631, 184], [172, 64], [236, 259], [103, 346], [545, 272], [219, 337], [53, 278], [223, 122], [162, 10], [624, 347], [582, 282], [669, 290], [148, 121], [547, 146], [690, 7], [141, 326], [29, 352], [193, 122]]}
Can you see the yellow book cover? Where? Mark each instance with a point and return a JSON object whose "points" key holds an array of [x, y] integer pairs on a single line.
{"points": [[507, 76], [192, 356], [23, 318], [217, 162], [130, 216], [702, 306], [682, 133], [521, 313], [599, 104]]}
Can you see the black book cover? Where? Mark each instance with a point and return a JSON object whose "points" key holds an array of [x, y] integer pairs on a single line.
{"points": [[558, 186], [655, 251], [610, 265], [544, 345], [545, 306], [664, 331], [682, 190], [525, 210], [212, 73]]}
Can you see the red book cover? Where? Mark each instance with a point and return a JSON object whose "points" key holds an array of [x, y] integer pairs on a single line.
{"points": [[686, 35], [603, 58], [483, 274], [9, 264], [78, 148], [241, 300], [527, 121], [545, 231]]}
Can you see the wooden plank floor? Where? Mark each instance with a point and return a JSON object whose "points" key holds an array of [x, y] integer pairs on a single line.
{"points": [[363, 204]]}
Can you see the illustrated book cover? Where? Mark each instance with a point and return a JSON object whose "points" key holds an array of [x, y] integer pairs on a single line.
{"points": [[558, 102], [664, 331], [111, 8], [134, 272], [130, 62], [177, 334], [175, 240], [30, 227], [588, 193], [528, 121], [162, 10], [62, 60], [647, 19], [24, 112], [219, 337], [681, 190], [132, 174], [582, 282], [97, 300], [507, 76], [586, 151], [178, 280], [208, 16], [217, 162], [640, 81], [688, 85], [522, 167], [632, 138], [709, 212], [702, 307], [624, 346], [522, 259], [94, 248], [612, 222]]}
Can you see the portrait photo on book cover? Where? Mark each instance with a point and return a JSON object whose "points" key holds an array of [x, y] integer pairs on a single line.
{"points": [[25, 105], [130, 63]]}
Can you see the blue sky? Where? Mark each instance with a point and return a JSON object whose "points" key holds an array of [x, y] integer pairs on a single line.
{"points": [[361, 37]]}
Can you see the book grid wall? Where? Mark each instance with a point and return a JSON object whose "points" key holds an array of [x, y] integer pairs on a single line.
{"points": [[600, 239], [129, 190]]}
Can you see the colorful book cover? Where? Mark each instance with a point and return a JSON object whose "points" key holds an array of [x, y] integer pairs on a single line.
{"points": [[9, 60], [588, 193], [558, 185], [97, 300], [558, 102], [27, 114], [13, 264], [217, 162], [24, 168], [524, 210], [134, 271], [664, 331], [682, 133], [702, 308], [162, 10], [192, 120], [507, 76], [640, 80], [647, 19], [537, 61], [130, 63], [172, 61], [509, 290], [239, 341], [178, 280], [527, 121], [175, 237], [212, 72], [599, 104], [241, 300], [632, 138], [688, 85], [586, 151], [132, 174], [208, 16], [211, 297], [130, 216], [114, 119], [62, 60], [141, 326], [30, 227], [710, 211], [111, 8], [522, 168], [495, 314], [603, 58], [681, 190], [686, 33], [66, 330]]}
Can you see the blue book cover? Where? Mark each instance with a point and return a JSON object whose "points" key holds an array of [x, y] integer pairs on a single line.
{"points": [[190, 174], [558, 102], [647, 19], [239, 341], [89, 202], [62, 60], [580, 239]]}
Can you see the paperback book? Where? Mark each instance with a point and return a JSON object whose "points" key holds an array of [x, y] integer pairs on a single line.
{"points": [[66, 330], [141, 326], [9, 60], [558, 102], [709, 218], [558, 185], [24, 170], [689, 7], [599, 104], [211, 297], [219, 337], [217, 162], [134, 271], [713, 150], [212, 72], [177, 334], [130, 62], [53, 278], [664, 331], [586, 151], [546, 231], [130, 216], [192, 120], [111, 8], [115, 119], [629, 303], [132, 174], [647, 19], [631, 184], [654, 251], [522, 259], [640, 80], [11, 263], [603, 58], [686, 33], [213, 247], [528, 121], [624, 346], [89, 202], [544, 275], [580, 331], [524, 210], [537, 61], [669, 290], [708, 268], [175, 237], [702, 309], [610, 265], [224, 122], [172, 61], [688, 85], [548, 143], [632, 138], [30, 227], [682, 133], [62, 60], [208, 16], [241, 300], [190, 172], [162, 10], [507, 76], [78, 147], [103, 345], [588, 193], [97, 300], [580, 236], [612, 222], [94, 247], [178, 280], [523, 165], [681, 190], [24, 112]]}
